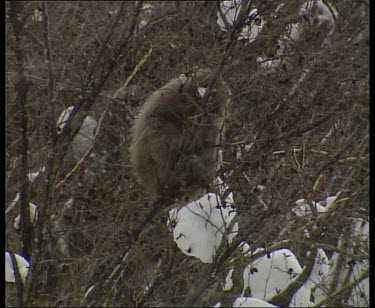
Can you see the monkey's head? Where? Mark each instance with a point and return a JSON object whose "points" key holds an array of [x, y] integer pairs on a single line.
{"points": [[203, 92]]}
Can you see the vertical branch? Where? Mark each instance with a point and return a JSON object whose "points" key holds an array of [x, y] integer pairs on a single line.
{"points": [[22, 88], [51, 74], [241, 20], [52, 141], [58, 144], [51, 99], [90, 91], [17, 277]]}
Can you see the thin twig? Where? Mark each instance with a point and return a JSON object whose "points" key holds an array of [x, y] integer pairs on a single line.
{"points": [[22, 89], [17, 278], [137, 67], [80, 161], [43, 211]]}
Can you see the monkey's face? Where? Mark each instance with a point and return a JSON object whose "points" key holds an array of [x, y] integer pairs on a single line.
{"points": [[196, 87]]}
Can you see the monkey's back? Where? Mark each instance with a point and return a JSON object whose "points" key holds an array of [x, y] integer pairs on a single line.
{"points": [[175, 138]]}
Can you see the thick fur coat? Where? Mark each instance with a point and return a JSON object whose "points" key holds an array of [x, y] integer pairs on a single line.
{"points": [[177, 135]]}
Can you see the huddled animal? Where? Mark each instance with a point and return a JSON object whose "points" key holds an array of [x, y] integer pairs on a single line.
{"points": [[177, 135]]}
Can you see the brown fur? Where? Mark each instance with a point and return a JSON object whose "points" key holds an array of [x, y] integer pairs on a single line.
{"points": [[176, 139]]}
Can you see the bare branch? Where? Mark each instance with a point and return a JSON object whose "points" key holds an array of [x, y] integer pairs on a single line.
{"points": [[22, 88]]}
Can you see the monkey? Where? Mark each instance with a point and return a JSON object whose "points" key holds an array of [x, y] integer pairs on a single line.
{"points": [[177, 134]]}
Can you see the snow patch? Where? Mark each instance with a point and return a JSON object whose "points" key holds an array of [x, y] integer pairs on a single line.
{"points": [[230, 10], [198, 228], [22, 264], [270, 274]]}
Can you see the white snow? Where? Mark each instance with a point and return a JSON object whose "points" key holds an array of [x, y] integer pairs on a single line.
{"points": [[271, 274], [230, 11], [319, 13], [63, 118], [200, 225], [228, 281], [320, 270], [37, 16], [303, 209], [145, 15], [13, 203], [312, 12], [89, 290], [360, 242], [22, 264], [301, 298], [201, 92], [84, 138], [33, 175], [251, 302], [33, 216], [359, 297], [314, 283]]}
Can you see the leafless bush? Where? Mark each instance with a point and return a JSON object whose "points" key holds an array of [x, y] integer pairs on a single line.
{"points": [[300, 130]]}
